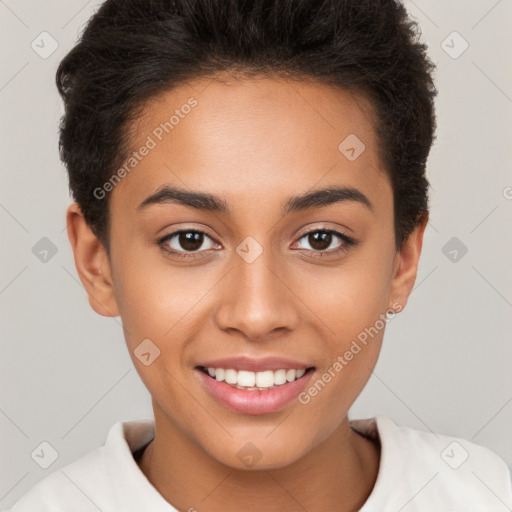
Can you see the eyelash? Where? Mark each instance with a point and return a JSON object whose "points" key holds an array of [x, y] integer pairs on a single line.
{"points": [[347, 243]]}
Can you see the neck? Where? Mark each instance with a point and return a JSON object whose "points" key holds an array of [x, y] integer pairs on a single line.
{"points": [[338, 475]]}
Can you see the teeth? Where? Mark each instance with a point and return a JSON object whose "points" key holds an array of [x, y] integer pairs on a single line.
{"points": [[231, 376], [279, 377], [290, 375], [247, 379], [265, 379], [243, 379]]}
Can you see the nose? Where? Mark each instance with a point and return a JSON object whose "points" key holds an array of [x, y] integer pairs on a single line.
{"points": [[257, 300]]}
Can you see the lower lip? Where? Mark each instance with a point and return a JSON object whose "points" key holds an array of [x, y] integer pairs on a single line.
{"points": [[254, 402]]}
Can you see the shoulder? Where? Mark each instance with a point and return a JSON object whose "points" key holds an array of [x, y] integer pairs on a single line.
{"points": [[74, 485], [424, 469], [88, 484]]}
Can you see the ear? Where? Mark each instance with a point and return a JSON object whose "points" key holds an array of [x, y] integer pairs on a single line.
{"points": [[406, 267], [92, 263]]}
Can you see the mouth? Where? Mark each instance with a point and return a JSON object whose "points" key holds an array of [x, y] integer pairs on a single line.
{"points": [[255, 381], [254, 392]]}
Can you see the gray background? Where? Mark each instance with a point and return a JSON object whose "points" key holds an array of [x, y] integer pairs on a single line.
{"points": [[66, 376]]}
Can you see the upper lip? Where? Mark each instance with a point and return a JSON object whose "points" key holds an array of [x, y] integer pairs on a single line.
{"points": [[255, 365]]}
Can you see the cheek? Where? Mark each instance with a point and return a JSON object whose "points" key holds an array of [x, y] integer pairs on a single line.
{"points": [[353, 305], [353, 296], [160, 305], [156, 299], [352, 301]]}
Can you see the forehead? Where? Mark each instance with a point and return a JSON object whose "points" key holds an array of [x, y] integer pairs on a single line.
{"points": [[253, 137]]}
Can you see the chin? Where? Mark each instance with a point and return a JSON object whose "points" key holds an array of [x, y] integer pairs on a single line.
{"points": [[259, 454]]}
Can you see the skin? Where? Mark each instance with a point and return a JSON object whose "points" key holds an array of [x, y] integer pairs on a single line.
{"points": [[255, 143]]}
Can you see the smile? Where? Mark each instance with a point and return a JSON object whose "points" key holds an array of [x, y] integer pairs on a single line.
{"points": [[261, 391], [254, 381]]}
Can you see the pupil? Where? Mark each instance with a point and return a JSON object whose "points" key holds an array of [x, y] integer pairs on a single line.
{"points": [[322, 237], [191, 241]]}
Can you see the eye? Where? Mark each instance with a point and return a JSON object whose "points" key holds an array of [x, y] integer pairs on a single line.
{"points": [[321, 241], [187, 243], [179, 243]]}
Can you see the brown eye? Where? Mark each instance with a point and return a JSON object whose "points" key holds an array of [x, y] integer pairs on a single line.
{"points": [[186, 241], [190, 240], [320, 240], [326, 242]]}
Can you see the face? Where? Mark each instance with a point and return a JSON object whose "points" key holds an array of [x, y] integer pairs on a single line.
{"points": [[229, 253]]}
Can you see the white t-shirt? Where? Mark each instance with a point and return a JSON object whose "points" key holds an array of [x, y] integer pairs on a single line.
{"points": [[419, 472]]}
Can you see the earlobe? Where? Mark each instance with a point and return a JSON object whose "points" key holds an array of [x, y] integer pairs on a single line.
{"points": [[92, 263], [406, 267]]}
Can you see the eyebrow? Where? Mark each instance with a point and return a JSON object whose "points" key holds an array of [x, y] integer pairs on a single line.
{"points": [[208, 202]]}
